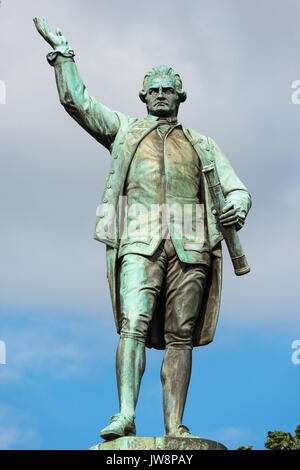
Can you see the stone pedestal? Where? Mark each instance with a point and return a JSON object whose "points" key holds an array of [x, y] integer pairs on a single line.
{"points": [[159, 443]]}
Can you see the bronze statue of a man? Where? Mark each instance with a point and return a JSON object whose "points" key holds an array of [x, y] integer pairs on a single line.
{"points": [[165, 282]]}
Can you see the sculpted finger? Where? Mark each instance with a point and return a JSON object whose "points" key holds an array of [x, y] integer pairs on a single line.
{"points": [[36, 20], [240, 223], [58, 32], [227, 207], [39, 26], [228, 224], [232, 218], [228, 214], [46, 27]]}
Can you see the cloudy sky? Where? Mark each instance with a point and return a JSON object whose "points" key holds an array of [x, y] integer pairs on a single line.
{"points": [[238, 60]]}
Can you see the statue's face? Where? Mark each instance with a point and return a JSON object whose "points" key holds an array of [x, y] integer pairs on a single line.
{"points": [[161, 97]]}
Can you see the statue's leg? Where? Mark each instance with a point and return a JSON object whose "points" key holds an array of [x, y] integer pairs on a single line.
{"points": [[185, 284], [175, 377], [130, 366], [141, 278]]}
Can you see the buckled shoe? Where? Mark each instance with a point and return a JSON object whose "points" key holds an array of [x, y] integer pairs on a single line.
{"points": [[182, 431], [120, 425]]}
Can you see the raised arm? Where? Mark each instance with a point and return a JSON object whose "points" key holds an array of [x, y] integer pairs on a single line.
{"points": [[101, 122]]}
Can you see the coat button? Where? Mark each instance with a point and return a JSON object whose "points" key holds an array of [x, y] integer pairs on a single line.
{"points": [[104, 200], [112, 172], [108, 186]]}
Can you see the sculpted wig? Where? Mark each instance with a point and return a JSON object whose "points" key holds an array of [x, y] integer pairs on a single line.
{"points": [[163, 71]]}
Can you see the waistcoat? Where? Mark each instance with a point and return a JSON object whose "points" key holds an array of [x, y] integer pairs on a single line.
{"points": [[163, 197]]}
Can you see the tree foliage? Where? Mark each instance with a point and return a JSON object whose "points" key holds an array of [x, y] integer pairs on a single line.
{"points": [[279, 440]]}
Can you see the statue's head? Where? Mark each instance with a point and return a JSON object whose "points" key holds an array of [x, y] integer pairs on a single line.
{"points": [[162, 91]]}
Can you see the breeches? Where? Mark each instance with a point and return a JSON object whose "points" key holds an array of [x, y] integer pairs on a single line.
{"points": [[144, 278]]}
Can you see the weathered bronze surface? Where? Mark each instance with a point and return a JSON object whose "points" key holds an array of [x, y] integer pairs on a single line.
{"points": [[170, 198]]}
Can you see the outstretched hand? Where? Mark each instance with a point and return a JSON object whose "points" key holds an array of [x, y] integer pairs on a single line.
{"points": [[55, 40]]}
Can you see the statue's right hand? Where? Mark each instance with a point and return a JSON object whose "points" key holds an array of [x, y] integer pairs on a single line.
{"points": [[55, 40]]}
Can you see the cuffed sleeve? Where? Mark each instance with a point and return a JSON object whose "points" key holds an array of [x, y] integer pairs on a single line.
{"points": [[65, 51]]}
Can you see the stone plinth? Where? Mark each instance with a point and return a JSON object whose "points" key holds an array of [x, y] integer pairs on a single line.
{"points": [[159, 443]]}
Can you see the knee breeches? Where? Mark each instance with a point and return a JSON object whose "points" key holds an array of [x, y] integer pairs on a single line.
{"points": [[144, 278]]}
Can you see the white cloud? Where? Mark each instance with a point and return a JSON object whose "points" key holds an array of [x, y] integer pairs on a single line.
{"points": [[234, 437], [63, 347], [14, 430]]}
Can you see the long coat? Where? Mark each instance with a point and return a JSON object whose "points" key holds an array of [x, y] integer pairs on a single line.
{"points": [[131, 132], [121, 135]]}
